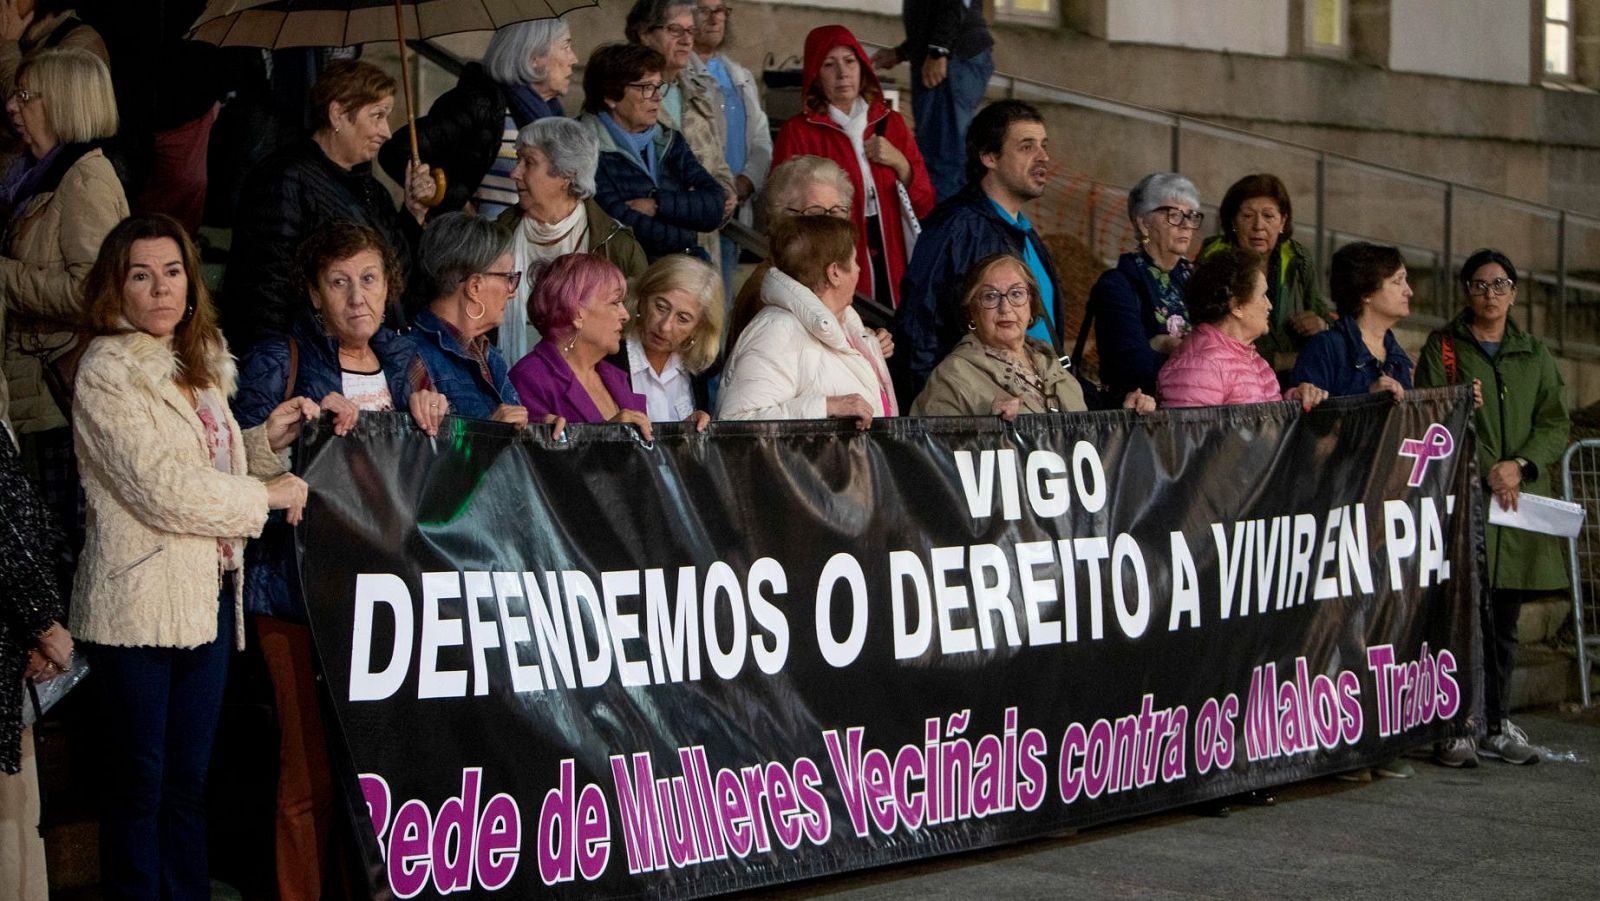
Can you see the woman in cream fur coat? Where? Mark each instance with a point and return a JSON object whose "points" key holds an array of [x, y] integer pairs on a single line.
{"points": [[806, 355], [174, 488]]}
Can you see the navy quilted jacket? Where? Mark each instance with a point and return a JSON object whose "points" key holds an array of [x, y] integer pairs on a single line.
{"points": [[271, 582], [688, 199]]}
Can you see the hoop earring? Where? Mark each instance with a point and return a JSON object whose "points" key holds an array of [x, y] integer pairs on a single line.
{"points": [[972, 326], [482, 310]]}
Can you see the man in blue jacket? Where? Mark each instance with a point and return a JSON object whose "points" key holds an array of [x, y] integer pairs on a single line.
{"points": [[1007, 166]]}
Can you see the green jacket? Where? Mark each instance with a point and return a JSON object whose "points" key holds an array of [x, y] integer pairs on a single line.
{"points": [[1524, 414], [1292, 288]]}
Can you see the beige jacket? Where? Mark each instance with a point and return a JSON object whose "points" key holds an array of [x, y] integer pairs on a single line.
{"points": [[703, 127], [47, 253], [148, 575], [967, 381]]}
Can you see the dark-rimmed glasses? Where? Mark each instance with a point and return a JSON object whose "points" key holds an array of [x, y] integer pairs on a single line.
{"points": [[1178, 218], [651, 90], [676, 32], [513, 278]]}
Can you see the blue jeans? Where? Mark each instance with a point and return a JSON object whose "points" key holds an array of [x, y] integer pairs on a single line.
{"points": [[942, 116], [158, 715]]}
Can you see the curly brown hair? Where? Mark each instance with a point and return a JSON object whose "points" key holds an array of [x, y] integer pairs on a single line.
{"points": [[341, 240]]}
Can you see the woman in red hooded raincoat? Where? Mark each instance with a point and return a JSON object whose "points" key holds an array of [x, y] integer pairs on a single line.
{"points": [[847, 121]]}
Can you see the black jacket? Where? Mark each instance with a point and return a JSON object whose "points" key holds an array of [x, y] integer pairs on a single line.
{"points": [[461, 134], [956, 26], [929, 321], [288, 195]]}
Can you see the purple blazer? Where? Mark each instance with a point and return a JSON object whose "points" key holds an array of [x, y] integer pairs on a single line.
{"points": [[547, 384]]}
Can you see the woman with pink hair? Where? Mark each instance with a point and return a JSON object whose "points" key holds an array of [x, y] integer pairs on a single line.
{"points": [[579, 305]]}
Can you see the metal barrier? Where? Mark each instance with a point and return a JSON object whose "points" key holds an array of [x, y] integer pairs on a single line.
{"points": [[1580, 484]]}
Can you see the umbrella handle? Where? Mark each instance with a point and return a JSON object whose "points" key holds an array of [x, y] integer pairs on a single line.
{"points": [[439, 181]]}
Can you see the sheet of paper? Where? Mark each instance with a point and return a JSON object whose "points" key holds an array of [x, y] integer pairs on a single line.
{"points": [[1538, 514]]}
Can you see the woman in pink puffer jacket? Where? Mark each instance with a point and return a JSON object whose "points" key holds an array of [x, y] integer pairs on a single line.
{"points": [[1217, 363]]}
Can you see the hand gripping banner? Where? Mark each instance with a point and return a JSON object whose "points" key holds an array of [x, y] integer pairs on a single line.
{"points": [[596, 668]]}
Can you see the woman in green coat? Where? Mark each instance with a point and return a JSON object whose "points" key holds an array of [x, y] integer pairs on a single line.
{"points": [[1256, 215], [1522, 431]]}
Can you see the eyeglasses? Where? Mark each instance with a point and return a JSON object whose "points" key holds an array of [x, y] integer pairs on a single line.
{"points": [[1017, 296], [841, 211], [651, 90], [676, 32], [711, 12], [1500, 286], [23, 95], [513, 278], [1177, 217]]}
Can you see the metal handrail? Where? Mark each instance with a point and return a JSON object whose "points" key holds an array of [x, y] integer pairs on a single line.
{"points": [[1009, 85]]}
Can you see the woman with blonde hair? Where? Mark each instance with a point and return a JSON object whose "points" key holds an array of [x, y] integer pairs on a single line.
{"points": [[673, 338], [57, 203], [174, 489]]}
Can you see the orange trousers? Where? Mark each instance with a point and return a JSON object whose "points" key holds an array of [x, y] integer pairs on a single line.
{"points": [[305, 785]]}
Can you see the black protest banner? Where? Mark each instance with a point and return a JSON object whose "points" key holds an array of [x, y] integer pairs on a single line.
{"points": [[780, 650]]}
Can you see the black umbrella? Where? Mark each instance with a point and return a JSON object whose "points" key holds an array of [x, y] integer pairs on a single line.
{"points": [[277, 24]]}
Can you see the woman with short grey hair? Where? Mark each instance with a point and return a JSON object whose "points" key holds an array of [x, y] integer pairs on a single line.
{"points": [[472, 128], [466, 262], [1138, 309], [556, 214]]}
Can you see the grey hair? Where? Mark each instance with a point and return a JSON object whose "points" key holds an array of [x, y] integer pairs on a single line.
{"points": [[512, 50], [648, 14], [571, 150], [457, 246], [1156, 189], [789, 180]]}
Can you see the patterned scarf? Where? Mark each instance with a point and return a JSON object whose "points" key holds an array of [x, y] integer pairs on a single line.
{"points": [[1171, 311]]}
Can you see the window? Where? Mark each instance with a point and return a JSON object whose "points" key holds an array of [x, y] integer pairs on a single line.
{"points": [[1558, 38], [1027, 12], [1327, 26]]}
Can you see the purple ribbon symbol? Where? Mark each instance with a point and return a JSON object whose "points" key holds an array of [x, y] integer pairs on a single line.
{"points": [[1435, 443]]}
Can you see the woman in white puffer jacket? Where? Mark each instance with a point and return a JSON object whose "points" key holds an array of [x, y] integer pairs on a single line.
{"points": [[806, 355]]}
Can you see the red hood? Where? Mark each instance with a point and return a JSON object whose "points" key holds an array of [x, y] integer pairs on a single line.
{"points": [[821, 41]]}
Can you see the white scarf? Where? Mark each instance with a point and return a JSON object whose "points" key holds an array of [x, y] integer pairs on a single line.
{"points": [[855, 128], [536, 243]]}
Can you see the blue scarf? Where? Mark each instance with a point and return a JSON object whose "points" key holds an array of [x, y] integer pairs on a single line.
{"points": [[527, 106], [642, 146]]}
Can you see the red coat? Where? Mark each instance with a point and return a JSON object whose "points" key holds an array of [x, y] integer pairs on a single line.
{"points": [[816, 134]]}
